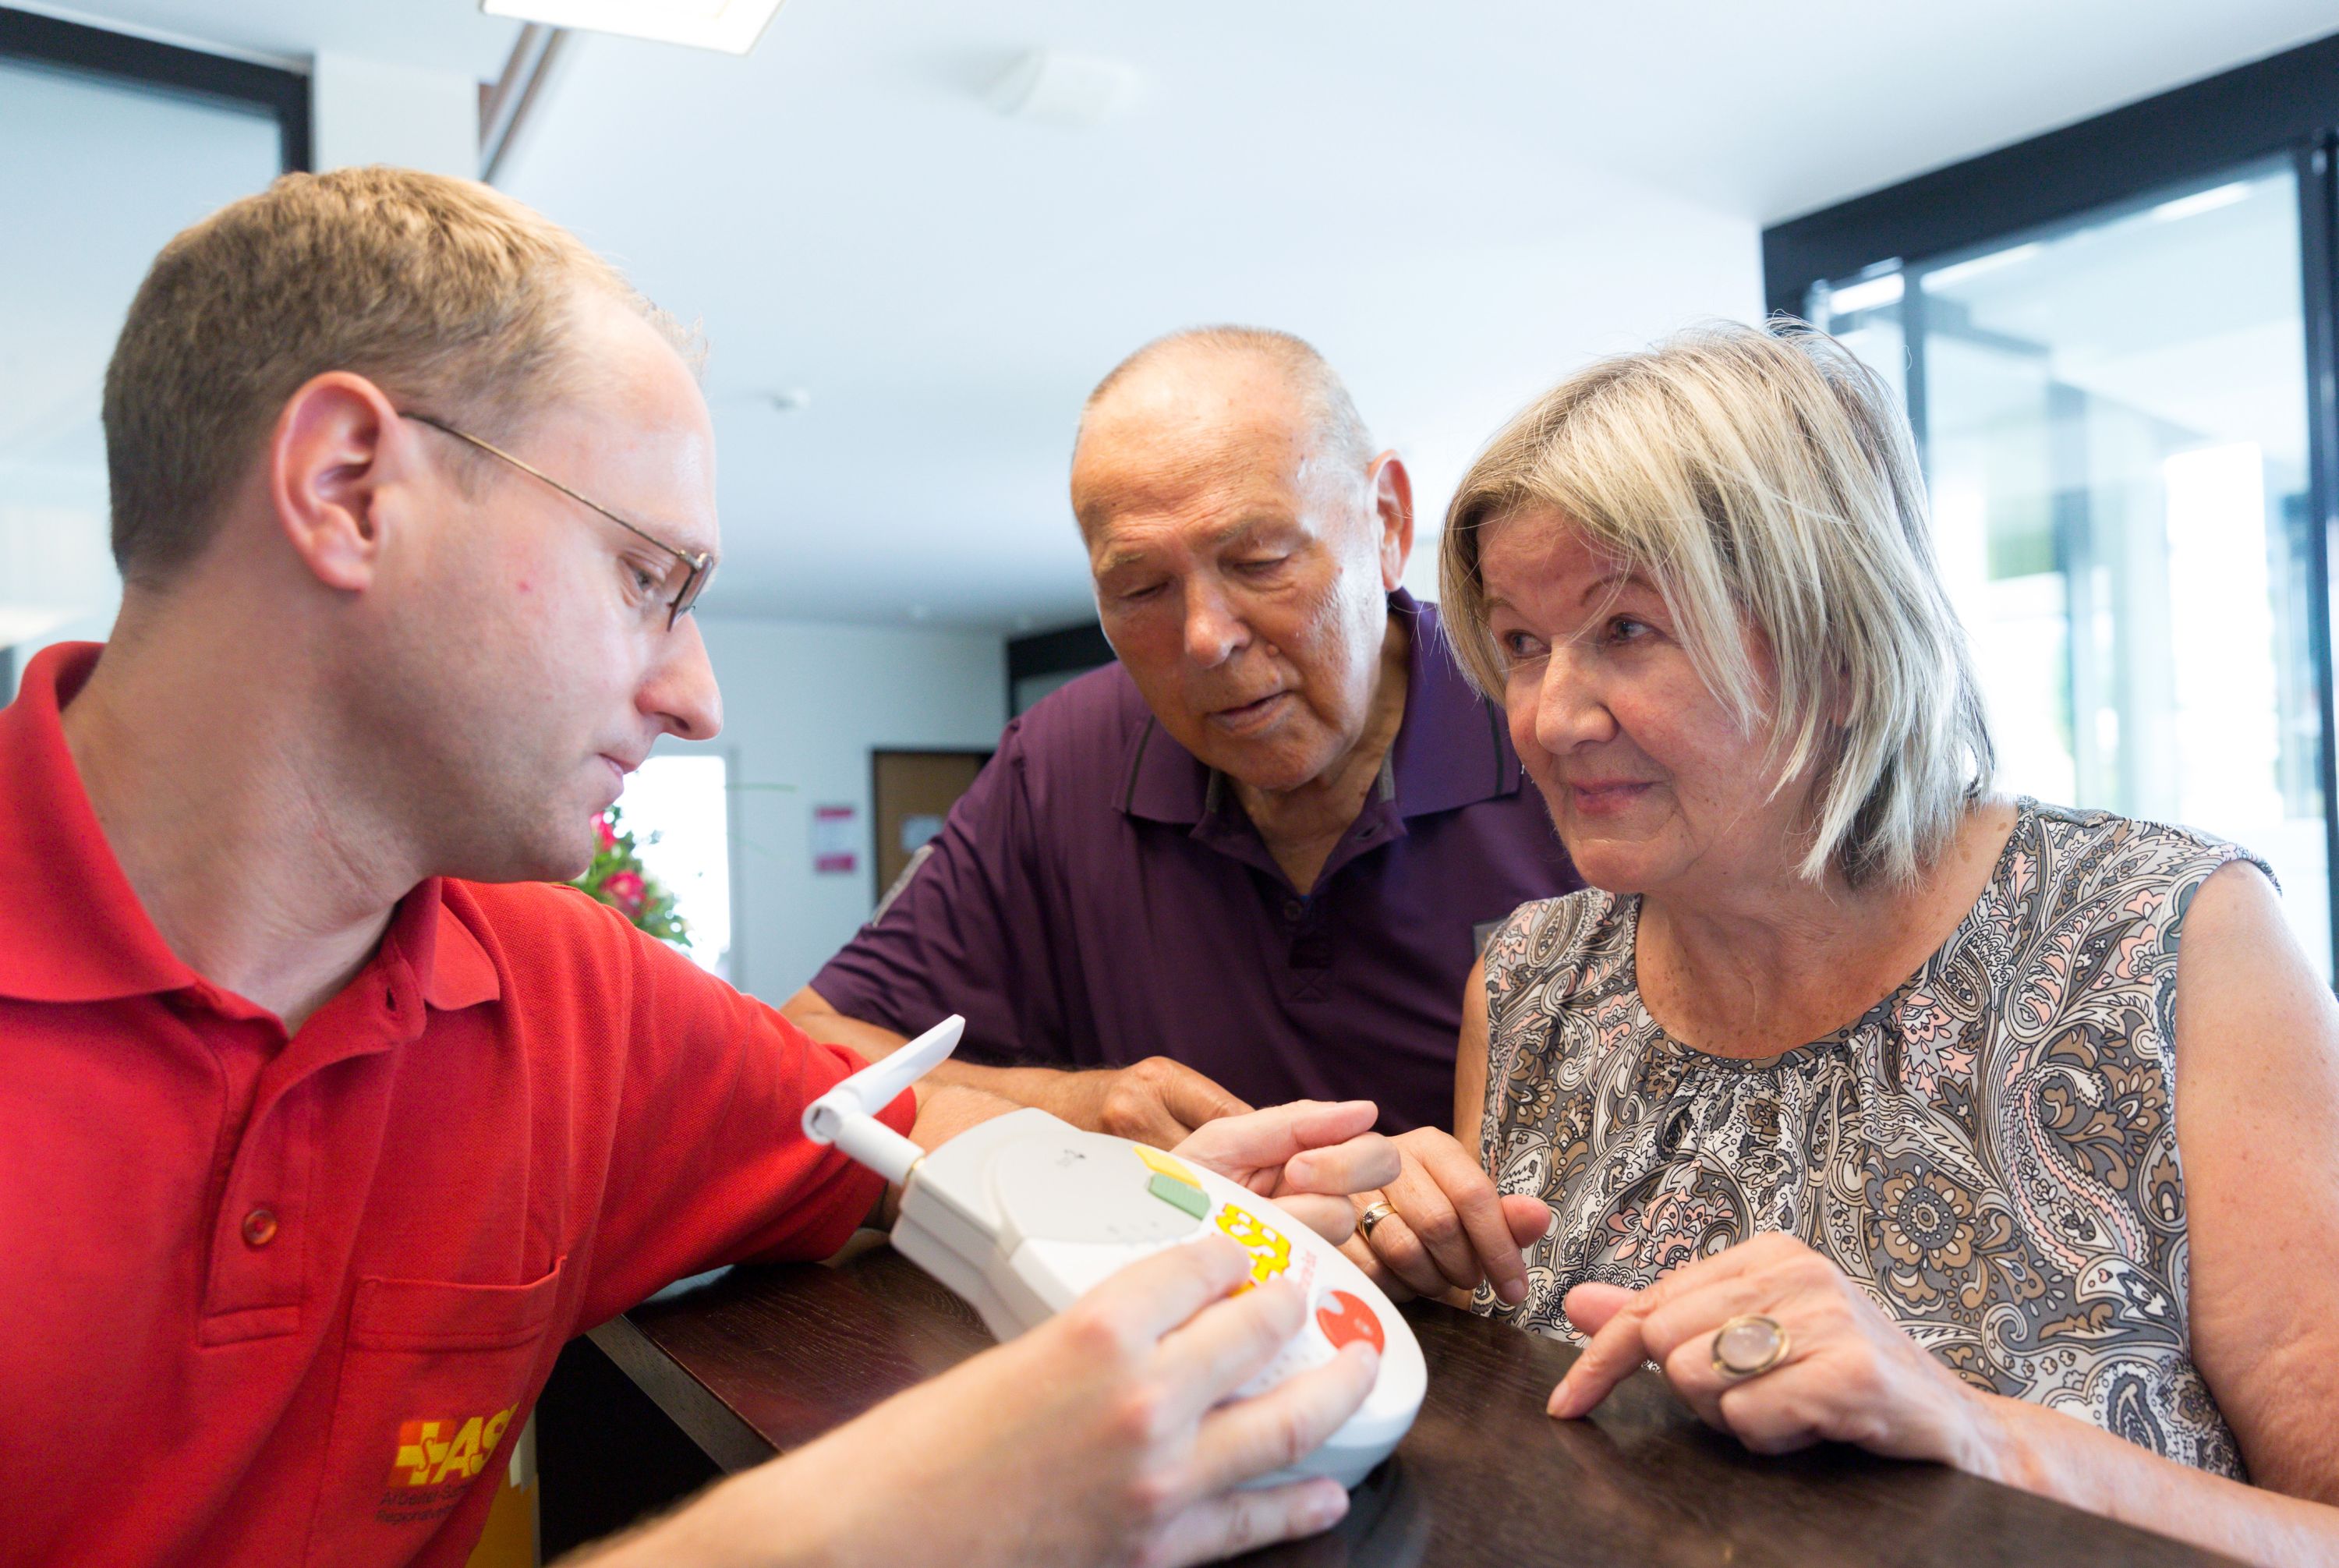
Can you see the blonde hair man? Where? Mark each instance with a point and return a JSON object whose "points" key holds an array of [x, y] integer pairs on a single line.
{"points": [[326, 1122]]}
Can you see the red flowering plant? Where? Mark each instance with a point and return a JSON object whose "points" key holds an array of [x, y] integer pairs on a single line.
{"points": [[616, 878]]}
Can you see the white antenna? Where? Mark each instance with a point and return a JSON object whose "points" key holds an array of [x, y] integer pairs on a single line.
{"points": [[847, 1115]]}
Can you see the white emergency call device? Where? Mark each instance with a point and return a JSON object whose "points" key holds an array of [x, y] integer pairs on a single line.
{"points": [[1023, 1213]]}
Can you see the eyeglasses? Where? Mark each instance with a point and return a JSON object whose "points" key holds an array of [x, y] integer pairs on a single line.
{"points": [[691, 570]]}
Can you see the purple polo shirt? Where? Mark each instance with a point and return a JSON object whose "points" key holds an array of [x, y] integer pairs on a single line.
{"points": [[1100, 896]]}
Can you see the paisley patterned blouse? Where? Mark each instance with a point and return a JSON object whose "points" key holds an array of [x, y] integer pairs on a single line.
{"points": [[1990, 1153]]}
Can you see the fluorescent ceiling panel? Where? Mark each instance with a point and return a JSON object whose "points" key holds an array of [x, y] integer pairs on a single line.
{"points": [[730, 26]]}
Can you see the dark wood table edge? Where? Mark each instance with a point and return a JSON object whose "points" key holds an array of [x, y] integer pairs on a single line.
{"points": [[733, 1444], [721, 1433]]}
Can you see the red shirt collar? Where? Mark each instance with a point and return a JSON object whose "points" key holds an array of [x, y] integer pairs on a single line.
{"points": [[72, 929]]}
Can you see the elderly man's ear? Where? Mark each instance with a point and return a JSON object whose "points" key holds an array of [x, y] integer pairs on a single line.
{"points": [[337, 443], [1393, 505]]}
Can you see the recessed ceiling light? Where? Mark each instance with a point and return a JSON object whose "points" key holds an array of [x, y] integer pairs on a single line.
{"points": [[730, 26]]}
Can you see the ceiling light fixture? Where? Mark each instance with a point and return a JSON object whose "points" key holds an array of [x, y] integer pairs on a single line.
{"points": [[730, 26]]}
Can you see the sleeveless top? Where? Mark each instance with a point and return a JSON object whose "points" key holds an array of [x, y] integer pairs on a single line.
{"points": [[1990, 1152]]}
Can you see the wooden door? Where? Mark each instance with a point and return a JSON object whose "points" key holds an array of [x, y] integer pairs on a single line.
{"points": [[912, 792]]}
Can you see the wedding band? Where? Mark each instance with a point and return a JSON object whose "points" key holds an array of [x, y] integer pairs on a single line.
{"points": [[1748, 1346], [1372, 1216]]}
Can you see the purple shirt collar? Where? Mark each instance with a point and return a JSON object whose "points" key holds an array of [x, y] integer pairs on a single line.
{"points": [[1450, 749]]}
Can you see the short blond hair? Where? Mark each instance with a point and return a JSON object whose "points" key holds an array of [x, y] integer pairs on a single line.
{"points": [[1763, 481], [442, 290]]}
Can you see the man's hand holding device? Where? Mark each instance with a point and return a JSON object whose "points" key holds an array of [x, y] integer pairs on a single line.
{"points": [[1217, 1387], [1024, 1214]]}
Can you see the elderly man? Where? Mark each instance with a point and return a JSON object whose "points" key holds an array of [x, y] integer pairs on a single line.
{"points": [[1249, 861], [325, 1119]]}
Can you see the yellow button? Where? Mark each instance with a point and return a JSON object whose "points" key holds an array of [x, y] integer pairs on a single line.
{"points": [[259, 1228], [1157, 1160]]}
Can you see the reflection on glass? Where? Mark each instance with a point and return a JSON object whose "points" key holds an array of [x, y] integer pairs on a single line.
{"points": [[93, 178], [2114, 423]]}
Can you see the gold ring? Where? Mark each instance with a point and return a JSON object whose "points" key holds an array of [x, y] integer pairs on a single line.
{"points": [[1371, 1216], [1748, 1346]]}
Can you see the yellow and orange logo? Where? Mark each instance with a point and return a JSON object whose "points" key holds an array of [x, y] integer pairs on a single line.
{"points": [[430, 1451], [1270, 1248]]}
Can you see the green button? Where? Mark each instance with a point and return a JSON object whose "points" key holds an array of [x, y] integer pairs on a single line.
{"points": [[1180, 1194]]}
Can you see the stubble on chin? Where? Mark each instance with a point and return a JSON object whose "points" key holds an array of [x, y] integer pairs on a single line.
{"points": [[500, 837]]}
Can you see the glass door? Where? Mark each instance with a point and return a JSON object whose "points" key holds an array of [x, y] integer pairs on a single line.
{"points": [[97, 170], [2113, 419]]}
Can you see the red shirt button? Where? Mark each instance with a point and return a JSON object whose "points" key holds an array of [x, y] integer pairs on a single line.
{"points": [[260, 1226]]}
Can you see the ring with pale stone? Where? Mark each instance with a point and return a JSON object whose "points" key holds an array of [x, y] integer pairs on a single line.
{"points": [[1748, 1346]]}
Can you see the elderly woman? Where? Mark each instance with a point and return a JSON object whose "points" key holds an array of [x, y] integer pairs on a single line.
{"points": [[1868, 1105]]}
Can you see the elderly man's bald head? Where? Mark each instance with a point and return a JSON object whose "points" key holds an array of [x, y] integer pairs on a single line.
{"points": [[1186, 397], [1244, 537]]}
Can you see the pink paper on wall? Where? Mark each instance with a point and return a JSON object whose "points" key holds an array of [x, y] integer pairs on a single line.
{"points": [[835, 842]]}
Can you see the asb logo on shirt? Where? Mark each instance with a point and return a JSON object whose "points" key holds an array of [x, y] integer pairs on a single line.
{"points": [[431, 1451]]}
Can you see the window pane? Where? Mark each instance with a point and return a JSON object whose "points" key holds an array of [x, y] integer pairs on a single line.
{"points": [[2114, 418], [93, 178], [678, 810]]}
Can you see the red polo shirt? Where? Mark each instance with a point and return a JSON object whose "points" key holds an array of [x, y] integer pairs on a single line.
{"points": [[272, 1300]]}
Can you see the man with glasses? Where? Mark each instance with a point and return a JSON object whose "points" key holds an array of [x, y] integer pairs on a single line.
{"points": [[686, 572], [326, 1116]]}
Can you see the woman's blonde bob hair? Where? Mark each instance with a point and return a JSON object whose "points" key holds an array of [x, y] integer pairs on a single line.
{"points": [[1765, 483]]}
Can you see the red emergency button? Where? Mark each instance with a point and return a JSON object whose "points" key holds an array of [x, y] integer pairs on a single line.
{"points": [[1344, 1320], [260, 1226]]}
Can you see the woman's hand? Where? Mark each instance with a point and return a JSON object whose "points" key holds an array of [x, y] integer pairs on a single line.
{"points": [[1848, 1373], [1307, 1156], [1446, 1227]]}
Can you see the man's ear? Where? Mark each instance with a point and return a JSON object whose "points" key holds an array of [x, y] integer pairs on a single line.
{"points": [[1393, 506], [326, 468]]}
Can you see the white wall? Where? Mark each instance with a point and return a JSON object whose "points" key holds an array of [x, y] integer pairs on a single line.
{"points": [[804, 704], [373, 111]]}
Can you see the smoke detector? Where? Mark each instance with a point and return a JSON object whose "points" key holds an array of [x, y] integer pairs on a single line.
{"points": [[1054, 88]]}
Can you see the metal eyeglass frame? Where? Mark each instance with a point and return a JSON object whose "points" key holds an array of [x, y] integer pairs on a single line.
{"points": [[700, 562]]}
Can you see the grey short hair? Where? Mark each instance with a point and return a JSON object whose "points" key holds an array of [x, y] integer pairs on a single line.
{"points": [[1763, 481], [1340, 430]]}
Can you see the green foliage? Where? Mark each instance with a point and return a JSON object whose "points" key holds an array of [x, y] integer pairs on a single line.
{"points": [[616, 878]]}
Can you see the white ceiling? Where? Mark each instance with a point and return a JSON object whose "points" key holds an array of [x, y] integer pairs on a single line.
{"points": [[1457, 202]]}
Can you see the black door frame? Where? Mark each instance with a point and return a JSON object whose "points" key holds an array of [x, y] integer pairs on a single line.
{"points": [[27, 37], [2284, 106]]}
